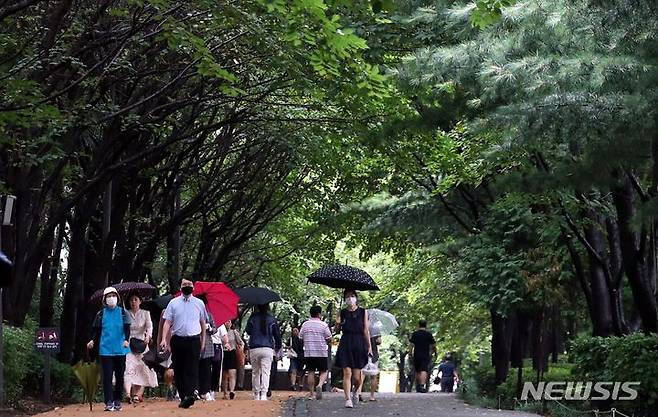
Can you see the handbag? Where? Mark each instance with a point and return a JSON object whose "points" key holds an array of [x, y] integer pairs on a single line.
{"points": [[137, 346], [290, 353], [371, 368]]}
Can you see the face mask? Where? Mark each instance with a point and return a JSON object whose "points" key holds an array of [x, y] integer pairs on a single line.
{"points": [[187, 290], [351, 301], [111, 302]]}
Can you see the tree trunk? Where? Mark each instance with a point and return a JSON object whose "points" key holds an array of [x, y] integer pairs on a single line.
{"points": [[602, 308], [634, 247], [49, 278], [502, 330], [173, 250]]}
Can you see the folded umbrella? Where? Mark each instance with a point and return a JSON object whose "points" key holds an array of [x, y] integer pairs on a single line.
{"points": [[89, 375], [343, 276], [222, 301], [257, 295]]}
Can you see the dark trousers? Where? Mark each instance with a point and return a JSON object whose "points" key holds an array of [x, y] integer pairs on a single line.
{"points": [[205, 374], [113, 365], [185, 353], [447, 384], [216, 368]]}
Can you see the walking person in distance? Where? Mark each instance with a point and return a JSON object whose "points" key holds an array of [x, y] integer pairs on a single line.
{"points": [[264, 341], [423, 346]]}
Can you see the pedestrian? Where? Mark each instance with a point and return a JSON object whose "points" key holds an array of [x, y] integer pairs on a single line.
{"points": [[315, 335], [264, 341], [206, 357], [296, 359], [184, 335], [375, 341], [354, 347], [242, 358], [138, 375], [235, 342], [448, 371], [110, 333], [423, 346], [220, 342], [167, 364]]}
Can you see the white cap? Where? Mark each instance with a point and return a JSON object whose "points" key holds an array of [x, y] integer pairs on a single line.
{"points": [[110, 290]]}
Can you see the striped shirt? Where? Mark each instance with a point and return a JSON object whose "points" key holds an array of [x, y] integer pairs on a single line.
{"points": [[314, 333]]}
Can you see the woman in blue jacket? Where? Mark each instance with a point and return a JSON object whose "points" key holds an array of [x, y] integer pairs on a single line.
{"points": [[111, 333], [264, 341]]}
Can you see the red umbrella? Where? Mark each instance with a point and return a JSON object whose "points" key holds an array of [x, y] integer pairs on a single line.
{"points": [[222, 301]]}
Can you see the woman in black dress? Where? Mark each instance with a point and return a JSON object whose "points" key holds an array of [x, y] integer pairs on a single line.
{"points": [[354, 346]]}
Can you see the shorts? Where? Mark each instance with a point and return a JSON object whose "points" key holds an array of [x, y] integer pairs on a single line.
{"points": [[316, 364], [421, 364], [296, 364]]}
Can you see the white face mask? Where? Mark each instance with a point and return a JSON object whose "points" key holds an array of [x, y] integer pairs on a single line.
{"points": [[111, 302], [351, 301]]}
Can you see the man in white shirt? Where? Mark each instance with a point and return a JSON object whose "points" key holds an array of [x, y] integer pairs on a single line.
{"points": [[184, 321]]}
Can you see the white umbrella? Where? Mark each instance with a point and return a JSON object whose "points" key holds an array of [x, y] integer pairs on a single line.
{"points": [[381, 322]]}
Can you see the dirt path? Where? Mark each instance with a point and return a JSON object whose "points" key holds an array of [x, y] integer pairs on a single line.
{"points": [[242, 406]]}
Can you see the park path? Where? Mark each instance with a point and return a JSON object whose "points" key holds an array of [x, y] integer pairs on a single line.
{"points": [[394, 405]]}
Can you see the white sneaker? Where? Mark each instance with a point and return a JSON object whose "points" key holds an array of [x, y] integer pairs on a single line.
{"points": [[257, 396], [208, 397], [348, 404], [212, 394]]}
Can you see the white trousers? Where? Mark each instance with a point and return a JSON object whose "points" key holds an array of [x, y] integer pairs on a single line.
{"points": [[261, 364]]}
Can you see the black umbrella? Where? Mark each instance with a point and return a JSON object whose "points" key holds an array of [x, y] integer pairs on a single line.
{"points": [[157, 304], [343, 276], [125, 288], [256, 296]]}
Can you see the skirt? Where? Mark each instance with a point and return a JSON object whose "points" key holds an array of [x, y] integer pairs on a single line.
{"points": [[352, 352], [230, 361], [137, 373]]}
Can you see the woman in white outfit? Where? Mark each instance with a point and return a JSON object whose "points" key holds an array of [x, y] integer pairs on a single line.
{"points": [[138, 375]]}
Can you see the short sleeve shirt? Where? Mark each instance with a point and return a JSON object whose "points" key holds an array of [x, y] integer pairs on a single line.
{"points": [[314, 334], [185, 316], [422, 340], [217, 337]]}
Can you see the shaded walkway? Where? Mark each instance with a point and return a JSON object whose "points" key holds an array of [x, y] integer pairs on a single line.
{"points": [[407, 404]]}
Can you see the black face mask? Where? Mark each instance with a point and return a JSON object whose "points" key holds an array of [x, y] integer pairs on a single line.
{"points": [[187, 290]]}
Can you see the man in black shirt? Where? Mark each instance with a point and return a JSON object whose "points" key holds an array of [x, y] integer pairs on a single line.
{"points": [[423, 346]]}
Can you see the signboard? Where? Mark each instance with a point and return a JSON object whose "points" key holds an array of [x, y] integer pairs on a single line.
{"points": [[47, 339]]}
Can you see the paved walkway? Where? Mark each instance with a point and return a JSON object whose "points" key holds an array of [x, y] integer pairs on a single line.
{"points": [[407, 404]]}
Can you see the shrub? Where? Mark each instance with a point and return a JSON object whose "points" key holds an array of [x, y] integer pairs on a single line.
{"points": [[18, 352], [629, 358]]}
